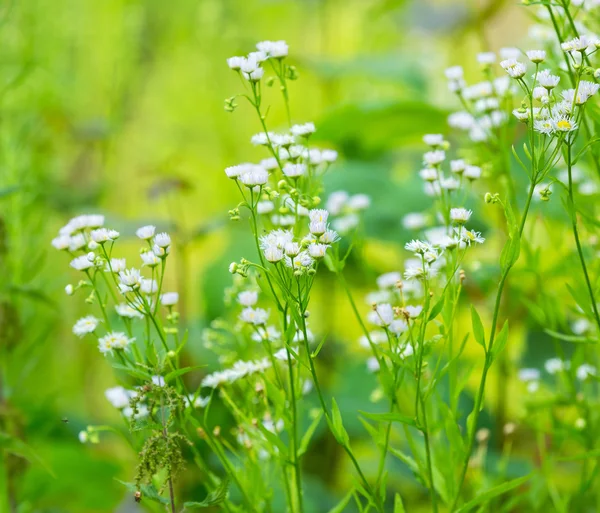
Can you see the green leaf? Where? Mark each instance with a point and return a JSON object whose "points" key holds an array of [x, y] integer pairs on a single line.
{"points": [[309, 433], [214, 498], [7, 191], [337, 426], [180, 372], [391, 417], [148, 492], [18, 447], [437, 308], [500, 341], [340, 506], [478, 331], [398, 505], [136, 373], [493, 492], [510, 252], [576, 339]]}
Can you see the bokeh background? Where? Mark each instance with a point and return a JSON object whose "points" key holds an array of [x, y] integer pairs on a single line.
{"points": [[116, 107]]}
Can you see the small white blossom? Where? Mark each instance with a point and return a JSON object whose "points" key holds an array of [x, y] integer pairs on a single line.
{"points": [[146, 232], [247, 298], [169, 298], [114, 340], [85, 325]]}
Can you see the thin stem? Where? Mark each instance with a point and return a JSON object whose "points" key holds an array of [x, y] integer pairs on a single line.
{"points": [[486, 367], [578, 242]]}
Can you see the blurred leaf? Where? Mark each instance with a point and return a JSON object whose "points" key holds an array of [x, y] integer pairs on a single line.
{"points": [[391, 417], [337, 425], [306, 438], [343, 503], [493, 492], [478, 331], [18, 447], [148, 491], [398, 505], [577, 339], [214, 498], [369, 128]]}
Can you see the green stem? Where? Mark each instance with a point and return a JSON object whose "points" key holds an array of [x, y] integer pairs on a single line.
{"points": [[578, 242], [486, 367]]}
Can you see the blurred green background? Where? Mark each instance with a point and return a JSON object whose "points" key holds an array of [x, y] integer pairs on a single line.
{"points": [[116, 107]]}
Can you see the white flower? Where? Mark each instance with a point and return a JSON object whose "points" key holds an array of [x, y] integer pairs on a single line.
{"points": [[102, 235], [247, 297], [388, 280], [578, 44], [254, 176], [381, 315], [291, 249], [303, 130], [85, 325], [162, 240], [69, 290], [521, 114], [413, 311], [256, 75], [329, 155], [486, 58], [429, 174], [269, 333], [472, 172], [529, 375], [461, 120], [294, 170], [372, 364], [265, 207], [460, 215], [547, 80], [235, 63], [536, 56], [328, 237], [457, 166], [146, 232], [317, 250], [169, 298], [149, 286], [117, 265], [300, 261], [359, 202], [544, 126], [256, 316], [235, 171], [514, 68], [131, 278], [414, 221], [273, 254], [449, 184], [114, 340], [510, 53], [418, 246], [540, 94], [275, 49], [454, 73], [336, 202], [61, 242], [585, 370], [81, 263], [149, 259], [564, 124], [398, 326], [555, 365], [125, 310], [318, 221], [158, 381], [432, 158], [119, 397], [346, 223], [433, 140], [469, 237], [84, 437]]}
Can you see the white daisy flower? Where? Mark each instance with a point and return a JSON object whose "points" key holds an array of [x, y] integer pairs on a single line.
{"points": [[85, 325]]}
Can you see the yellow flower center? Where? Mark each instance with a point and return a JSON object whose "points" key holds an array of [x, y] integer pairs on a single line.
{"points": [[564, 124]]}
